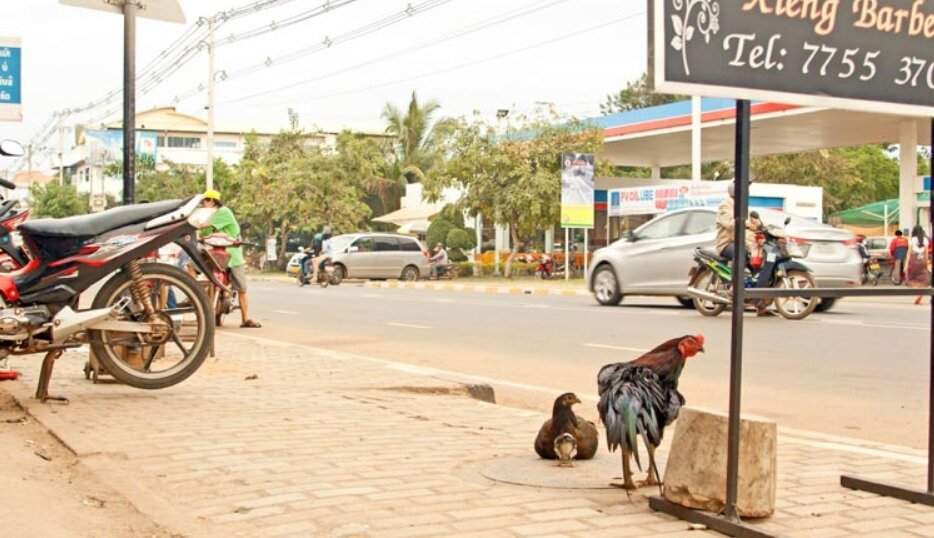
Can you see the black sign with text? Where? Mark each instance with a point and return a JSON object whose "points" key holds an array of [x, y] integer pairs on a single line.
{"points": [[863, 54]]}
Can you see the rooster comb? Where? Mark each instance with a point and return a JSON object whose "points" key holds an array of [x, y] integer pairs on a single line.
{"points": [[699, 338]]}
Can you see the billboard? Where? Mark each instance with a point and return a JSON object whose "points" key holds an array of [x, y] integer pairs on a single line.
{"points": [[106, 146], [11, 89], [656, 199], [857, 54], [577, 177]]}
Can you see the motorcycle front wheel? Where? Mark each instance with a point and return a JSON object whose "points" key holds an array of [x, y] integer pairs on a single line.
{"points": [[707, 280], [796, 307], [183, 314]]}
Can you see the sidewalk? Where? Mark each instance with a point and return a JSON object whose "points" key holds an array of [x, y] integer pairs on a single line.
{"points": [[328, 444]]}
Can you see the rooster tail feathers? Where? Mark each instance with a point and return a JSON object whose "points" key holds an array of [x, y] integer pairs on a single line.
{"points": [[632, 443]]}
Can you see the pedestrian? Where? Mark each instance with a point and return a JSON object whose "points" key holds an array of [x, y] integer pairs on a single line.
{"points": [[225, 222], [898, 250], [919, 274]]}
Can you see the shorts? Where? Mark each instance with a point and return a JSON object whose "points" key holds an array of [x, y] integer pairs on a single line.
{"points": [[238, 278]]}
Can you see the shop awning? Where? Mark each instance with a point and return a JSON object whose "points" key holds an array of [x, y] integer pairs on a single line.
{"points": [[881, 213], [409, 214]]}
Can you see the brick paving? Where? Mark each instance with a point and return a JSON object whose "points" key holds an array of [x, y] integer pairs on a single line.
{"points": [[325, 444]]}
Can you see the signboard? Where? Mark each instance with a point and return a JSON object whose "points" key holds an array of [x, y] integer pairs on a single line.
{"points": [[107, 145], [271, 254], [11, 67], [160, 10], [655, 199], [577, 190], [858, 54]]}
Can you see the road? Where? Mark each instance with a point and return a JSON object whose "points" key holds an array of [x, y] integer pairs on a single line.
{"points": [[859, 371]]}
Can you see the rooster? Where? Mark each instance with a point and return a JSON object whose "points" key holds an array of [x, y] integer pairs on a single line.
{"points": [[641, 397]]}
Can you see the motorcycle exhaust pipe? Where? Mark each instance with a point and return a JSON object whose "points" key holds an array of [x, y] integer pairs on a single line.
{"points": [[68, 322], [701, 294]]}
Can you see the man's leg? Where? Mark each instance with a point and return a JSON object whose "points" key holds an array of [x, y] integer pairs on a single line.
{"points": [[238, 281], [315, 262]]}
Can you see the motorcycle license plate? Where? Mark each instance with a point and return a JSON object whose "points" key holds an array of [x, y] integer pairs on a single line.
{"points": [[874, 266]]}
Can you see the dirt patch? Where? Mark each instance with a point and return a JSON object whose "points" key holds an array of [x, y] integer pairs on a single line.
{"points": [[47, 491], [479, 391]]}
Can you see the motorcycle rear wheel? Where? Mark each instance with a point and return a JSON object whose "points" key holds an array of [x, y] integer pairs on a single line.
{"points": [[707, 281], [155, 364], [796, 307]]}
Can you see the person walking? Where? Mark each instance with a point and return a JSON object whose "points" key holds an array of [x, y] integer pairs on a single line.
{"points": [[898, 250], [919, 274], [225, 222]]}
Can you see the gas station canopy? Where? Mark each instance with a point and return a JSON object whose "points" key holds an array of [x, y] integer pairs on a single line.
{"points": [[661, 135]]}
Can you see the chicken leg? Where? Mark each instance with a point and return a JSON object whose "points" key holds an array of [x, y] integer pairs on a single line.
{"points": [[653, 479], [627, 484]]}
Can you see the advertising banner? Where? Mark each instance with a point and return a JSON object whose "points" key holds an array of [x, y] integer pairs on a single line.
{"points": [[107, 145], [657, 199], [859, 54], [577, 178], [11, 90]]}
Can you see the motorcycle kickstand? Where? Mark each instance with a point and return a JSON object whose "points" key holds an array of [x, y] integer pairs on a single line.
{"points": [[42, 391]]}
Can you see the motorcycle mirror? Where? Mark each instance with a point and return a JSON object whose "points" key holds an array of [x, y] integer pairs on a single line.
{"points": [[11, 148], [7, 184]]}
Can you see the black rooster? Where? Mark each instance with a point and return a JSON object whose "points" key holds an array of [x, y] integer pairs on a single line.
{"points": [[640, 398]]}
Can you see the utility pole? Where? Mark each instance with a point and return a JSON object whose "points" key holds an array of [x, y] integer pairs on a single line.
{"points": [[129, 101], [61, 150], [209, 173]]}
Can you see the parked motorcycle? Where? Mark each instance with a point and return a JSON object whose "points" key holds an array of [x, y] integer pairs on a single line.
{"points": [[224, 299], [130, 327], [711, 279], [546, 267]]}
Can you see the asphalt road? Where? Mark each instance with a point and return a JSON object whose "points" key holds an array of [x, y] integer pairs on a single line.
{"points": [[860, 370]]}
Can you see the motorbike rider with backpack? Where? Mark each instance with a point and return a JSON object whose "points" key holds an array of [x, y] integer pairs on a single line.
{"points": [[324, 252]]}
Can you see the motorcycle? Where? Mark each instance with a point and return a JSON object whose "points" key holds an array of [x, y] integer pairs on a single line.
{"points": [[546, 267], [224, 298], [711, 279], [326, 274], [872, 271], [448, 271], [130, 327]]}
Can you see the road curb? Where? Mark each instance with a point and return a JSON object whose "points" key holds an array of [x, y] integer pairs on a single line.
{"points": [[480, 288]]}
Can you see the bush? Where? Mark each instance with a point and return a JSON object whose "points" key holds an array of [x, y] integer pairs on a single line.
{"points": [[458, 240]]}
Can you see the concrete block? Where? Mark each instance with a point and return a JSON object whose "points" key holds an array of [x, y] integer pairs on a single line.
{"points": [[695, 475]]}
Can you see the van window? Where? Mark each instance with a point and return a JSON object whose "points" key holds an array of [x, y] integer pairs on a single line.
{"points": [[385, 244], [364, 244], [410, 245]]}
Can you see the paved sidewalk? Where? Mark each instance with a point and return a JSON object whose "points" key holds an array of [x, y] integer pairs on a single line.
{"points": [[327, 444]]}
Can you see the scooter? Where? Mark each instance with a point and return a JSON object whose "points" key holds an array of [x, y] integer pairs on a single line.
{"points": [[872, 271], [546, 267], [711, 279], [326, 275]]}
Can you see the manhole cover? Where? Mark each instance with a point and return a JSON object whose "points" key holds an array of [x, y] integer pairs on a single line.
{"points": [[597, 473]]}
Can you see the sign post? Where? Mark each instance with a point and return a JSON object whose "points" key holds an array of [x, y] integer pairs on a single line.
{"points": [[852, 54], [577, 198], [11, 92], [163, 10]]}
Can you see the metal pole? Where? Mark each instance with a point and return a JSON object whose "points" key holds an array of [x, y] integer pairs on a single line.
{"points": [[210, 169], [695, 139], [740, 208], [585, 251], [129, 101], [931, 380], [567, 253]]}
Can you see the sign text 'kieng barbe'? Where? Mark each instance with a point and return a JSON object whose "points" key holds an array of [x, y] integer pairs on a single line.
{"points": [[859, 54]]}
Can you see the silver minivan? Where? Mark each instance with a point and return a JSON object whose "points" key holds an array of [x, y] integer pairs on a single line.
{"points": [[379, 255]]}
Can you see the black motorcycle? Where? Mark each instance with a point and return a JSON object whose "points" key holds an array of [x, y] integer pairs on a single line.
{"points": [[711, 279]]}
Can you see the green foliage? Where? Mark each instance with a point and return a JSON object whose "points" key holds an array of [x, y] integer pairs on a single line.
{"points": [[513, 180], [56, 201], [438, 232], [176, 181], [637, 95], [457, 241]]}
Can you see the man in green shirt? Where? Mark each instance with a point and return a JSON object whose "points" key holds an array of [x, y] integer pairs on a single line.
{"points": [[225, 222]]}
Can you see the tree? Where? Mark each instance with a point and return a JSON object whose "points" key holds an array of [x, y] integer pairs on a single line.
{"points": [[637, 95], [55, 200], [514, 180], [416, 137]]}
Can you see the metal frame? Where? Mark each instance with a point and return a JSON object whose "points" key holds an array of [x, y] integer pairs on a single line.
{"points": [[713, 522]]}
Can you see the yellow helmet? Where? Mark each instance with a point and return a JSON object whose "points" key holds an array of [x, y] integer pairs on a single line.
{"points": [[212, 195]]}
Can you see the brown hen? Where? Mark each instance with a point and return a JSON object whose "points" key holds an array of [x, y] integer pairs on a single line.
{"points": [[563, 420]]}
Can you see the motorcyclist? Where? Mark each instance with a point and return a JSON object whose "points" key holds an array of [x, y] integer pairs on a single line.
{"points": [[438, 261], [325, 252], [724, 243], [310, 253]]}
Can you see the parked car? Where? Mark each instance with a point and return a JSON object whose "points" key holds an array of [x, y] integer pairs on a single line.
{"points": [[655, 258], [879, 248], [294, 266], [379, 255]]}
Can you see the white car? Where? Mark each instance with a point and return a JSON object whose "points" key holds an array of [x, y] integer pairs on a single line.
{"points": [[656, 258]]}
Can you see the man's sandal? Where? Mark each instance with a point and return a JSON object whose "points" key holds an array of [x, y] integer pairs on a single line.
{"points": [[250, 324]]}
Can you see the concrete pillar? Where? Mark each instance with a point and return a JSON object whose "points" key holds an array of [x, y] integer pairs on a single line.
{"points": [[908, 159], [656, 172], [549, 240]]}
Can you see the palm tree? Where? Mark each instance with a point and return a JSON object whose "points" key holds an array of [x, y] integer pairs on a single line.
{"points": [[416, 136]]}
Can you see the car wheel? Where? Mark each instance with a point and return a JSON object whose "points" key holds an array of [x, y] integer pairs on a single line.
{"points": [[606, 287], [796, 307], [825, 304], [409, 274], [339, 274]]}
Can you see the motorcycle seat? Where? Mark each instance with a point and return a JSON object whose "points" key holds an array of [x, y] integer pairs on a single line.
{"points": [[707, 253], [98, 223]]}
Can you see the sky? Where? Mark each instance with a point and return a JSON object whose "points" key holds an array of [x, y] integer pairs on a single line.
{"points": [[469, 55]]}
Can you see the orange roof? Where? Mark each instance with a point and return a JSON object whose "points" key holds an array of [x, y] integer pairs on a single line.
{"points": [[28, 178]]}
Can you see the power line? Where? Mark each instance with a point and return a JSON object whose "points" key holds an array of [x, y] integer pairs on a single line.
{"points": [[523, 11], [480, 61]]}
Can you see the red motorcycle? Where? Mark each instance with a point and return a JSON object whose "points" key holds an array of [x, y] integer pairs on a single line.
{"points": [[224, 298], [133, 332]]}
